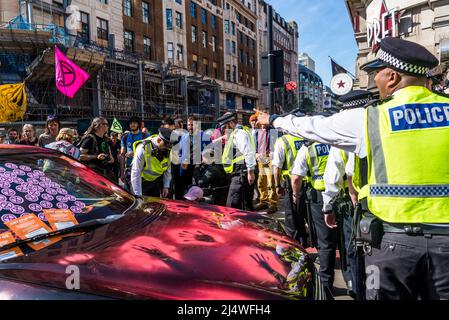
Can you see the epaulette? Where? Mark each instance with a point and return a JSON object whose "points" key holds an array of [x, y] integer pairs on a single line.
{"points": [[377, 102]]}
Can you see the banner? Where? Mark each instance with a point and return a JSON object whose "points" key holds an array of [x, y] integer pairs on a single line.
{"points": [[116, 126], [337, 69], [69, 77], [13, 102]]}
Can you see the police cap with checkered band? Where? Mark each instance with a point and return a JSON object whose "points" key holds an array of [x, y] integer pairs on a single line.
{"points": [[355, 99], [403, 56]]}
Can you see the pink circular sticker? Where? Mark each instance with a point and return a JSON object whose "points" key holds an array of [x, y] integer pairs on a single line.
{"points": [[18, 181], [46, 204], [8, 205], [70, 197], [42, 216], [62, 199], [8, 217], [76, 209], [61, 205], [8, 192], [2, 198], [5, 185], [80, 204], [33, 181], [32, 198], [25, 168], [45, 179], [11, 166], [62, 191], [47, 197], [55, 185], [51, 191], [19, 172], [16, 200], [17, 210], [39, 173], [2, 169], [34, 207]]}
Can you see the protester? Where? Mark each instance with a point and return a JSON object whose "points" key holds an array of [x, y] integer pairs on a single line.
{"points": [[115, 145], [64, 143], [130, 137], [2, 137], [95, 150], [29, 135], [13, 136], [52, 128]]}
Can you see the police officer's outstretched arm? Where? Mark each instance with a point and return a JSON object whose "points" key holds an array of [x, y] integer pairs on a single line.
{"points": [[136, 170], [244, 145], [344, 130]]}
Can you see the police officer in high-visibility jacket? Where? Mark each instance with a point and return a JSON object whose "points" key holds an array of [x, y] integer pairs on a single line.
{"points": [[311, 161], [405, 140], [338, 189], [285, 151], [239, 161], [151, 168]]}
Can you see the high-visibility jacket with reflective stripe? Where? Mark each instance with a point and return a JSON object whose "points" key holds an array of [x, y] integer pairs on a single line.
{"points": [[317, 155], [344, 157], [292, 145], [230, 157], [407, 141], [153, 168]]}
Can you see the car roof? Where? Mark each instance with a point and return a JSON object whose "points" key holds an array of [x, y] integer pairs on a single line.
{"points": [[17, 149]]}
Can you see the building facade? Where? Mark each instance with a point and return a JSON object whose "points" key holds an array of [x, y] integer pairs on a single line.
{"points": [[424, 22], [306, 61], [310, 87]]}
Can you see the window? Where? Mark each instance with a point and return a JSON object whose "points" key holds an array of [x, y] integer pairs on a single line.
{"points": [[234, 47], [103, 1], [226, 26], [171, 54], [169, 17], [194, 34], [129, 40], [179, 19], [233, 28], [214, 43], [206, 66], [145, 12], [102, 31], [179, 1], [195, 62], [204, 40], [241, 56], [193, 9], [234, 73], [228, 72], [212, 22], [127, 8], [83, 27], [147, 47], [203, 16], [180, 53]]}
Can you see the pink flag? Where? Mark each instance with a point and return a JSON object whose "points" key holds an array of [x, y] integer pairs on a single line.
{"points": [[69, 77]]}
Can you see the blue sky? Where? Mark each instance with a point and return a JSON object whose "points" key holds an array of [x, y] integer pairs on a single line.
{"points": [[325, 29]]}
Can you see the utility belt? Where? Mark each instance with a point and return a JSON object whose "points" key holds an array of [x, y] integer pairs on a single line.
{"points": [[370, 229]]}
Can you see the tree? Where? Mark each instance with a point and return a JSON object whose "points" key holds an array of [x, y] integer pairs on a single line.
{"points": [[307, 106]]}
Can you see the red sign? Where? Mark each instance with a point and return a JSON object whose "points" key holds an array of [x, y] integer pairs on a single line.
{"points": [[291, 86]]}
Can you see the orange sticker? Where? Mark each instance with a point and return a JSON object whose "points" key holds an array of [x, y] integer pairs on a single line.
{"points": [[29, 226], [60, 219], [5, 239]]}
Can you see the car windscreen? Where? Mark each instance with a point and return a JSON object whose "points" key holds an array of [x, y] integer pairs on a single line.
{"points": [[44, 192]]}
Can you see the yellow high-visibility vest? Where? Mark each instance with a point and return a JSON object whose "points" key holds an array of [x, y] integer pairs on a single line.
{"points": [[407, 140], [229, 159], [317, 155], [153, 168], [292, 145]]}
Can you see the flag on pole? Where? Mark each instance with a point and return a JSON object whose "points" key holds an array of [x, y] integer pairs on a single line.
{"points": [[116, 126], [336, 68], [69, 77], [13, 102]]}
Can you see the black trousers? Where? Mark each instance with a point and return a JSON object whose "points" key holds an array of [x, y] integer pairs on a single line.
{"points": [[407, 267], [350, 273], [240, 194], [152, 188], [326, 238], [295, 215], [182, 180]]}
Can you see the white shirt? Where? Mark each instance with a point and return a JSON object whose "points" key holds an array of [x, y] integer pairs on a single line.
{"points": [[245, 147], [333, 177], [137, 168], [278, 154], [300, 168], [344, 130]]}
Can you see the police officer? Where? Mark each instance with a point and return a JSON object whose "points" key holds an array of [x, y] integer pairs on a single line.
{"points": [[311, 161], [405, 142], [151, 169], [285, 151], [338, 185], [239, 161]]}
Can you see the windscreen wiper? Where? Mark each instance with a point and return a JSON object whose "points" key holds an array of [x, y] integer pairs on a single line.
{"points": [[85, 226]]}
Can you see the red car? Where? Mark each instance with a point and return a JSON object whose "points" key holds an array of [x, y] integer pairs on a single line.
{"points": [[68, 233]]}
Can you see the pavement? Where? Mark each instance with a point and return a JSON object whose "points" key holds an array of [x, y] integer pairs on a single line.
{"points": [[340, 292]]}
